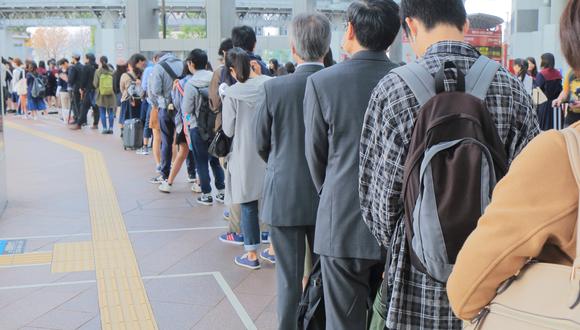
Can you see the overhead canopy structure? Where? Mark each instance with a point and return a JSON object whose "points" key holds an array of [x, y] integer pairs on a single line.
{"points": [[484, 21]]}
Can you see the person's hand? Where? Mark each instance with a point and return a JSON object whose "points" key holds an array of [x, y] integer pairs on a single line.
{"points": [[256, 67], [556, 103], [575, 105]]}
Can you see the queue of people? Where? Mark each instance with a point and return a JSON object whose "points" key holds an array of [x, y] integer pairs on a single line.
{"points": [[426, 143]]}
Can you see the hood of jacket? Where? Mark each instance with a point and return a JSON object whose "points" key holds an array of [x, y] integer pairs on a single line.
{"points": [[247, 91], [201, 78]]}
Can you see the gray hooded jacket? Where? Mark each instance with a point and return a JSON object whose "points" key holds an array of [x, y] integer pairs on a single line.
{"points": [[192, 98], [161, 83]]}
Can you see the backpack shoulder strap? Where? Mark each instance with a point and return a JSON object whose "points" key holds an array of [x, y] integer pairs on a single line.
{"points": [[419, 80], [169, 71], [480, 77]]}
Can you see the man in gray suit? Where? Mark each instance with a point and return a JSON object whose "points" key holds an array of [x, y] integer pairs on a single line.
{"points": [[334, 108], [290, 199]]}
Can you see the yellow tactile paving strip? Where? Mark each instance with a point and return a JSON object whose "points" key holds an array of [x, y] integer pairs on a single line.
{"points": [[73, 257], [123, 301], [26, 259]]}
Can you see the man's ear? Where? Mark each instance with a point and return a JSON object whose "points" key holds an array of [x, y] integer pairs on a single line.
{"points": [[413, 28], [466, 26], [350, 34]]}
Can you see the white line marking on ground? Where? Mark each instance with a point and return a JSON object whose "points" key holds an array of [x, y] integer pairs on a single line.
{"points": [[144, 231], [229, 293], [29, 265]]}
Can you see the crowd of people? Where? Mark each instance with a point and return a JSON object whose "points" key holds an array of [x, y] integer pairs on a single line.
{"points": [[301, 137]]}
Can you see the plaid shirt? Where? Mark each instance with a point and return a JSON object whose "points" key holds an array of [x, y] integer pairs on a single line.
{"points": [[414, 301]]}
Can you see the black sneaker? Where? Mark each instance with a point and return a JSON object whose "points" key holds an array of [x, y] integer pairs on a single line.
{"points": [[205, 200], [220, 197]]}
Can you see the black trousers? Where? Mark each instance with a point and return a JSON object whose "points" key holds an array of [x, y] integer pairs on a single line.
{"points": [[87, 104], [76, 104]]}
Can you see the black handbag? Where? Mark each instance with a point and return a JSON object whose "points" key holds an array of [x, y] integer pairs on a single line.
{"points": [[221, 144]]}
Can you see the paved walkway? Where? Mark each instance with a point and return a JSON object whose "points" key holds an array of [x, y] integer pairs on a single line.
{"points": [[102, 248]]}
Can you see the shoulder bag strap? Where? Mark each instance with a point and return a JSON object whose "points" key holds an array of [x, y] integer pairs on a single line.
{"points": [[419, 80], [572, 137], [169, 71], [480, 77]]}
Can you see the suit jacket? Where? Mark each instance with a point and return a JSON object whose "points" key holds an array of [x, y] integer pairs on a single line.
{"points": [[289, 197], [335, 103]]}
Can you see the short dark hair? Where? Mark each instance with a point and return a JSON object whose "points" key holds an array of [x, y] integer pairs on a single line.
{"points": [[434, 12], [548, 61], [199, 59], [225, 46], [244, 37], [136, 58], [290, 67], [91, 57], [42, 64], [62, 61], [569, 32], [376, 23], [239, 59]]}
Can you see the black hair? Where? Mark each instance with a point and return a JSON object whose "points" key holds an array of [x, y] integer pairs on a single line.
{"points": [[376, 23], [136, 58], [52, 61], [244, 37], [104, 62], [534, 71], [62, 61], [42, 64], [32, 66], [328, 59], [290, 67], [238, 59], [523, 64], [275, 65], [548, 61], [209, 67], [225, 46], [434, 12], [199, 59], [91, 57]]}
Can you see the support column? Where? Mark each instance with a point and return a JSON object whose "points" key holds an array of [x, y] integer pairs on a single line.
{"points": [[141, 23], [221, 17], [4, 42], [109, 37], [303, 6]]}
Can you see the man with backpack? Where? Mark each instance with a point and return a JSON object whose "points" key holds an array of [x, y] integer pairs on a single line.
{"points": [[334, 107], [169, 69], [438, 134]]}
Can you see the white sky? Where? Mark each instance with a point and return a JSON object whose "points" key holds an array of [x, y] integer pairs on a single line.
{"points": [[500, 8]]}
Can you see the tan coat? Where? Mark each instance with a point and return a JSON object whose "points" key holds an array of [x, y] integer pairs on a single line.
{"points": [[533, 214], [124, 85]]}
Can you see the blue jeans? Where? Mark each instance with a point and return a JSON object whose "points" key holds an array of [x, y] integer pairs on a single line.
{"points": [[202, 159], [250, 226], [190, 161], [167, 126], [145, 109], [111, 114]]}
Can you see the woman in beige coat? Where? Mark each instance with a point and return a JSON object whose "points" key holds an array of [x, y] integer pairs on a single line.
{"points": [[533, 214]]}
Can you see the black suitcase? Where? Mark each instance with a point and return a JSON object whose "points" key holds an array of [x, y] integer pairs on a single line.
{"points": [[133, 134]]}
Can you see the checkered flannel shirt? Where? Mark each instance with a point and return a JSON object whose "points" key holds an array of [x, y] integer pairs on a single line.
{"points": [[414, 301]]}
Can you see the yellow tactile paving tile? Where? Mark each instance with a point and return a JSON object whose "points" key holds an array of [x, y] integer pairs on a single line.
{"points": [[26, 259], [123, 301], [73, 257]]}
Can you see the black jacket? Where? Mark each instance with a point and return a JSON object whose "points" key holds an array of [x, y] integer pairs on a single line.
{"points": [[74, 76], [87, 76]]}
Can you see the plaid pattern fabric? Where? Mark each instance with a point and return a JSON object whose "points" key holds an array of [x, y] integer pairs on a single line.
{"points": [[414, 300]]}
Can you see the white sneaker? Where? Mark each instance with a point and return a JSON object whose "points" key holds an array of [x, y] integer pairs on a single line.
{"points": [[165, 187], [191, 179], [196, 188]]}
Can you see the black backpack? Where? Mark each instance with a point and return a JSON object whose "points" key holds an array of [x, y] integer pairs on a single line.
{"points": [[206, 118], [311, 313], [454, 161]]}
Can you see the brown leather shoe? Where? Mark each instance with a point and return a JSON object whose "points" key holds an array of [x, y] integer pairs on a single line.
{"points": [[74, 127]]}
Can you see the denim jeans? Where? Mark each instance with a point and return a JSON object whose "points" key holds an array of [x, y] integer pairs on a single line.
{"points": [[144, 116], [110, 112], [250, 226], [167, 126], [202, 159]]}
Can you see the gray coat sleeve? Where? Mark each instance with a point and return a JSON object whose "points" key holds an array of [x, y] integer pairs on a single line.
{"points": [[189, 104], [156, 85], [316, 136], [264, 126], [229, 113]]}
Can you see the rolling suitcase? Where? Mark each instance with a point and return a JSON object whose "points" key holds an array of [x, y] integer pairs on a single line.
{"points": [[558, 119], [133, 134]]}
